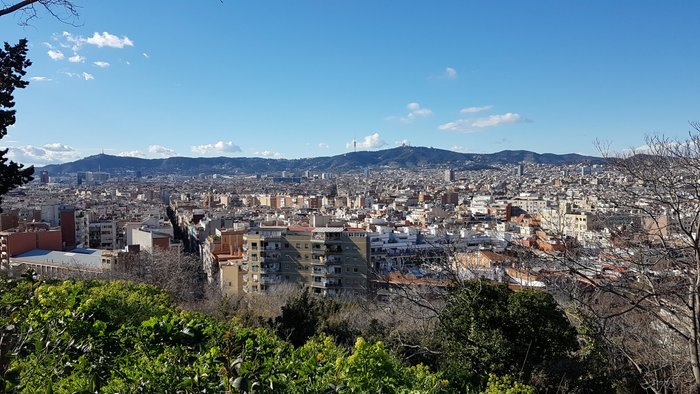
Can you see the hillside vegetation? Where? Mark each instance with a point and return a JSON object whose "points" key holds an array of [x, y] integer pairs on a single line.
{"points": [[86, 336]]}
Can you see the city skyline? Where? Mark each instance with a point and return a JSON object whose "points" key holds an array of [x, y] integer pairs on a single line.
{"points": [[285, 80]]}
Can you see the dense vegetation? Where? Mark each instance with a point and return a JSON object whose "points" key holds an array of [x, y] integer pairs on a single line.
{"points": [[85, 336], [118, 337]]}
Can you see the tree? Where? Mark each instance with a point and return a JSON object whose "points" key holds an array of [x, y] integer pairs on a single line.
{"points": [[649, 305], [488, 328], [13, 62], [118, 337], [63, 10], [307, 315]]}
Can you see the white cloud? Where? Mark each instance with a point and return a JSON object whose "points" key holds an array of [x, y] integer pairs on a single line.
{"points": [[269, 154], [457, 148], [76, 59], [415, 111], [368, 142], [472, 125], [132, 153], [58, 147], [48, 154], [56, 55], [48, 45], [161, 150], [473, 110], [217, 147], [323, 145], [450, 73], [147, 56], [39, 79], [403, 142], [495, 120], [105, 39], [73, 42], [109, 40], [101, 64], [84, 75]]}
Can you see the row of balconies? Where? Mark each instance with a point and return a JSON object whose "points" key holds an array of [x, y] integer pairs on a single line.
{"points": [[269, 267], [326, 283], [263, 279], [323, 271]]}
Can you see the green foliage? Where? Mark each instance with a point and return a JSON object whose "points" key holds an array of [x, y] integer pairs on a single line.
{"points": [[488, 328], [118, 337], [506, 385], [306, 315]]}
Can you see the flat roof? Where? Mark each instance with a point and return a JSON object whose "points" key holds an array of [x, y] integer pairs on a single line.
{"points": [[87, 258], [328, 230]]}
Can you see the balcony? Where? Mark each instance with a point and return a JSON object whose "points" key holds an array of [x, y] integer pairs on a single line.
{"points": [[269, 267], [334, 270], [328, 237], [335, 249], [326, 283], [270, 279], [334, 260]]}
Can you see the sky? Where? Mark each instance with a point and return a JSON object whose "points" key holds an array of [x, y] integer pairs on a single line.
{"points": [[306, 78]]}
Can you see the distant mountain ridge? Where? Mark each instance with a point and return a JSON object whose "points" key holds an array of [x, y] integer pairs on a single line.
{"points": [[399, 157]]}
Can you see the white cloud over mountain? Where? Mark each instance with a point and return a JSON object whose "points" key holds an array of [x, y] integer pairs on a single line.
{"points": [[217, 147], [368, 142]]}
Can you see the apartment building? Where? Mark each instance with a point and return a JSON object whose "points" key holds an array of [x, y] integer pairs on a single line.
{"points": [[15, 242], [327, 260], [103, 235], [222, 258]]}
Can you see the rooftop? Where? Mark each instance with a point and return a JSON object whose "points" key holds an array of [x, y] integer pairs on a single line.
{"points": [[86, 258]]}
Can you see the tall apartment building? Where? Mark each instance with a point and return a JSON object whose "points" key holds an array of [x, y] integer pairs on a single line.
{"points": [[74, 227], [92, 177], [103, 235], [449, 175], [327, 260]]}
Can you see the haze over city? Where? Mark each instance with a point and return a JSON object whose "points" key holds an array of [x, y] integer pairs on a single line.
{"points": [[307, 78]]}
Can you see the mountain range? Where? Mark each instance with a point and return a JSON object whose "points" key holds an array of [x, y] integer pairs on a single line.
{"points": [[399, 157]]}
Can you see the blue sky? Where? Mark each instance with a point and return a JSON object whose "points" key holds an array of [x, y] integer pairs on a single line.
{"points": [[305, 78]]}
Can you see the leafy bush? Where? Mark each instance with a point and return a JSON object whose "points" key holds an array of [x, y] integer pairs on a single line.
{"points": [[118, 337]]}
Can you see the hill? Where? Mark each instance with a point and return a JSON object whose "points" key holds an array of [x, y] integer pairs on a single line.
{"points": [[400, 157]]}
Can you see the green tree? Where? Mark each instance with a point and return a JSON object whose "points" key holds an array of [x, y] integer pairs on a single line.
{"points": [[488, 328], [305, 316], [13, 64], [118, 337]]}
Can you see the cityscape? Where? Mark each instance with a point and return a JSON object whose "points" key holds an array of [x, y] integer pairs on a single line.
{"points": [[483, 251]]}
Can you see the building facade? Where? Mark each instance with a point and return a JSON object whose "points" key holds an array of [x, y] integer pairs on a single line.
{"points": [[327, 260]]}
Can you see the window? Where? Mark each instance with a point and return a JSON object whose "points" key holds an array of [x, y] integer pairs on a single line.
{"points": [[306, 246], [354, 269]]}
